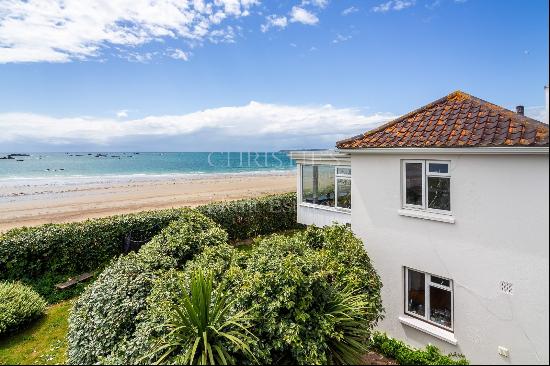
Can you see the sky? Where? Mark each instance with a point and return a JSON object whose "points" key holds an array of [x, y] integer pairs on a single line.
{"points": [[252, 75]]}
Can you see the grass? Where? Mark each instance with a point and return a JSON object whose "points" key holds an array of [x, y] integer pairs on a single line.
{"points": [[43, 342]]}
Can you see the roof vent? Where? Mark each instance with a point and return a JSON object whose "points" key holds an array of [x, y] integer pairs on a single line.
{"points": [[520, 110]]}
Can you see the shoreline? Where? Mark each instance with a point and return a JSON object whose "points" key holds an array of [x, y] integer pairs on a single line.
{"points": [[48, 201]]}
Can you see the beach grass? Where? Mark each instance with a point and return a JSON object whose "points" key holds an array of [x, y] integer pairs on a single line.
{"points": [[43, 342]]}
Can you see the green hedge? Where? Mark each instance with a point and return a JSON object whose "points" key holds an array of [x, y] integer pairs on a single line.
{"points": [[249, 218], [406, 355], [48, 254], [295, 288], [108, 311]]}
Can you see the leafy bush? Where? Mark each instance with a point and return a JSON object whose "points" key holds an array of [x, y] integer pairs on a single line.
{"points": [[248, 218], [313, 298], [406, 355], [106, 312], [181, 241], [19, 304], [44, 255], [203, 328], [317, 303], [139, 347]]}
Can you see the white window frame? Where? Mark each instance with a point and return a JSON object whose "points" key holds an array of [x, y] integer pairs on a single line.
{"points": [[425, 174], [336, 177], [427, 309], [342, 177], [404, 184]]}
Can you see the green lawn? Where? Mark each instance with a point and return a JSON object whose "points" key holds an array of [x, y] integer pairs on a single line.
{"points": [[43, 342]]}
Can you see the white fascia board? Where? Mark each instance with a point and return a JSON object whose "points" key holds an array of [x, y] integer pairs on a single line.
{"points": [[321, 157]]}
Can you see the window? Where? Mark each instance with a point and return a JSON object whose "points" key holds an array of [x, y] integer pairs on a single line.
{"points": [[318, 184], [427, 185], [429, 298], [326, 185], [343, 187]]}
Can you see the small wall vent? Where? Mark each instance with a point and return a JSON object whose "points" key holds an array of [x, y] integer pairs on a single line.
{"points": [[507, 287]]}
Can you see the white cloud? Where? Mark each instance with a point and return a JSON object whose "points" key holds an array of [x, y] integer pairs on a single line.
{"points": [[536, 112], [433, 5], [301, 15], [123, 113], [274, 21], [317, 3], [64, 30], [340, 38], [350, 10], [253, 122], [395, 5], [178, 54], [143, 58]]}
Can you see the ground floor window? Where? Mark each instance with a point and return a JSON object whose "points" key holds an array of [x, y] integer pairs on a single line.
{"points": [[429, 297], [327, 185]]}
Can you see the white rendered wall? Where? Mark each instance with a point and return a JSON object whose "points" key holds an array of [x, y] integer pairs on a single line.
{"points": [[321, 217], [318, 216], [500, 204]]}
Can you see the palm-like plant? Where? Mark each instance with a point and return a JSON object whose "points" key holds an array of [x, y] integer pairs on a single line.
{"points": [[203, 329], [348, 312]]}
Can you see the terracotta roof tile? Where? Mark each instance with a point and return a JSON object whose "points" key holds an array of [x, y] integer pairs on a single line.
{"points": [[457, 120]]}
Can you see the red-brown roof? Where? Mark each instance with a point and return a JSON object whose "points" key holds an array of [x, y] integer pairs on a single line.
{"points": [[457, 120]]}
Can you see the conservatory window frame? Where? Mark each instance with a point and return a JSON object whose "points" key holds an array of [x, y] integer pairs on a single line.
{"points": [[337, 176]]}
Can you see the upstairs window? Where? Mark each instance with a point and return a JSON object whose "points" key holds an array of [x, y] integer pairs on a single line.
{"points": [[327, 185], [427, 185]]}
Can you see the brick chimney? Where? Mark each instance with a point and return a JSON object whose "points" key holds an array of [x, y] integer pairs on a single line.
{"points": [[520, 110]]}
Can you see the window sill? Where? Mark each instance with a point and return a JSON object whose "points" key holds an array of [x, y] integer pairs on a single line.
{"points": [[449, 219], [326, 208], [432, 330]]}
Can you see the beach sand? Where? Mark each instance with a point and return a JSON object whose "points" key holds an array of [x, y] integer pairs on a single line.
{"points": [[47, 202]]}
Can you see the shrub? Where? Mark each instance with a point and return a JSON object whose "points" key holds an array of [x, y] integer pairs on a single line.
{"points": [[108, 310], [203, 327], [19, 304], [248, 218], [406, 355], [48, 254], [313, 301], [313, 297], [181, 241], [140, 346]]}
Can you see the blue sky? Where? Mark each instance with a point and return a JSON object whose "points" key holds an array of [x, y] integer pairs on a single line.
{"points": [[245, 75]]}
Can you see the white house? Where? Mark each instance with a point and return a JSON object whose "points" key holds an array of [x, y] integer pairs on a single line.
{"points": [[451, 201]]}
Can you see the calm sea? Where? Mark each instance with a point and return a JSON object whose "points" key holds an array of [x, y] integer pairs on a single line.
{"points": [[73, 165]]}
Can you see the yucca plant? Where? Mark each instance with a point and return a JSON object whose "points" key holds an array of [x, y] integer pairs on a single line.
{"points": [[348, 312], [203, 328]]}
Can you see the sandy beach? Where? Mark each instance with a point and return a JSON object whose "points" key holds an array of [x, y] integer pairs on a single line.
{"points": [[39, 202]]}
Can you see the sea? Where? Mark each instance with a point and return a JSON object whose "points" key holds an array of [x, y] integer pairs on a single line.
{"points": [[73, 167]]}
